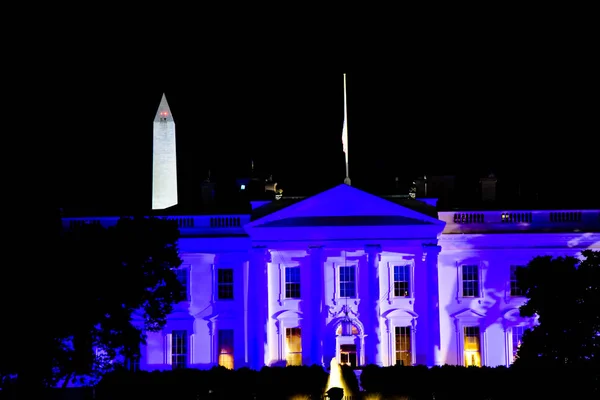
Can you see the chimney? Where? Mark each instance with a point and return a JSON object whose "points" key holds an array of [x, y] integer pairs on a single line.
{"points": [[488, 188], [208, 192], [421, 187]]}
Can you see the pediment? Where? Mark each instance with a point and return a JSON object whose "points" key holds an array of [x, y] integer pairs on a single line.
{"points": [[400, 313], [343, 206], [468, 314], [288, 314]]}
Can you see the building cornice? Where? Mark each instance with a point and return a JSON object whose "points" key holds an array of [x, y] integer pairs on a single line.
{"points": [[520, 240]]}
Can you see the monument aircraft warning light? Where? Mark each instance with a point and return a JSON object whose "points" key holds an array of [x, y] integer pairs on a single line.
{"points": [[164, 158]]}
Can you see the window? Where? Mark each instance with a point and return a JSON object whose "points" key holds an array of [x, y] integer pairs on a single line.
{"points": [[352, 328], [470, 281], [225, 284], [517, 337], [226, 348], [472, 346], [403, 345], [179, 349], [292, 282], [182, 277], [293, 343], [132, 364], [514, 288], [402, 280], [348, 282]]}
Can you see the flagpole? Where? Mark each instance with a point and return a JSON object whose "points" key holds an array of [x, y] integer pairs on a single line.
{"points": [[345, 135]]}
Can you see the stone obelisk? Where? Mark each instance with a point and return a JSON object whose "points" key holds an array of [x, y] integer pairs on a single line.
{"points": [[164, 158]]}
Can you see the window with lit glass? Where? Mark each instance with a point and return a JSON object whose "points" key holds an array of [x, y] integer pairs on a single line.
{"points": [[292, 282], [472, 346], [402, 281], [225, 345], [293, 344], [514, 287], [348, 355], [517, 337], [348, 281], [403, 345], [470, 281], [179, 349], [340, 330], [225, 284]]}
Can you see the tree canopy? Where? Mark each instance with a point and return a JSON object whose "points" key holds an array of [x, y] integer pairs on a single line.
{"points": [[564, 292], [93, 291]]}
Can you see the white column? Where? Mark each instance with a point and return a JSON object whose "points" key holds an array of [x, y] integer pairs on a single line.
{"points": [[426, 289], [257, 307], [373, 325], [431, 252], [314, 295]]}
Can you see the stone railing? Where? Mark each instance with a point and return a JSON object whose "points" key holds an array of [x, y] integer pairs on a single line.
{"points": [[188, 225], [520, 220]]}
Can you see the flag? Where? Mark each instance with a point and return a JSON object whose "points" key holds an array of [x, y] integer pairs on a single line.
{"points": [[345, 140]]}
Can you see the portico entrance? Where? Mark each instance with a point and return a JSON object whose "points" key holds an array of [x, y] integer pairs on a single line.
{"points": [[348, 355]]}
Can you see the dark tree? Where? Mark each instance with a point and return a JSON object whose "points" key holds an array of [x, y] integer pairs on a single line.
{"points": [[83, 298], [564, 293]]}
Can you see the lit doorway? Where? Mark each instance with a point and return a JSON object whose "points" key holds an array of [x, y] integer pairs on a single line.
{"points": [[348, 355]]}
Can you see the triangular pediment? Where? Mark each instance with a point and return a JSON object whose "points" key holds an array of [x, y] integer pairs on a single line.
{"points": [[468, 314], [344, 205]]}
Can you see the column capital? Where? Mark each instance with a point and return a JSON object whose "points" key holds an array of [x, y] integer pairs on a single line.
{"points": [[431, 248], [263, 251], [430, 251], [315, 249], [372, 248]]}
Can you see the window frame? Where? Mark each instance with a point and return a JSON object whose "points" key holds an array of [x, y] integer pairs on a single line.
{"points": [[218, 284], [186, 352], [284, 320], [186, 269], [287, 352], [470, 318], [354, 266], [511, 281], [411, 336], [219, 346], [480, 342], [411, 271], [460, 284], [286, 283], [511, 337]]}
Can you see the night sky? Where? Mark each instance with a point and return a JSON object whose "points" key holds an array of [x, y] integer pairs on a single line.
{"points": [[469, 116]]}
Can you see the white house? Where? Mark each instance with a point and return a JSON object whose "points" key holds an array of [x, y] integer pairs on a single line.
{"points": [[359, 277], [350, 275]]}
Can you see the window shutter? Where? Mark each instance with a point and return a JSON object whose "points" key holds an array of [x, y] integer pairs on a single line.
{"points": [[191, 349], [168, 349]]}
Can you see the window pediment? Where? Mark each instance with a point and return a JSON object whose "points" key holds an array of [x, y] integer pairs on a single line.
{"points": [[400, 313], [288, 315], [512, 317], [467, 315]]}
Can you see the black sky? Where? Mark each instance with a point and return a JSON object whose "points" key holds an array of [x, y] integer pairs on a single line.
{"points": [[466, 114]]}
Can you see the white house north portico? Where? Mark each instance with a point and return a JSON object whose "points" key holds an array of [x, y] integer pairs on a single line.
{"points": [[342, 247]]}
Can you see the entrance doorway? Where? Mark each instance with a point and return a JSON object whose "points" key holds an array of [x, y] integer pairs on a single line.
{"points": [[348, 355]]}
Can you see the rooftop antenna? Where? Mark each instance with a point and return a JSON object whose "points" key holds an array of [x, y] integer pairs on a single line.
{"points": [[345, 136]]}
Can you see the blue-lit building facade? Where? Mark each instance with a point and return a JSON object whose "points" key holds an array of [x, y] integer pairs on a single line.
{"points": [[361, 278]]}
